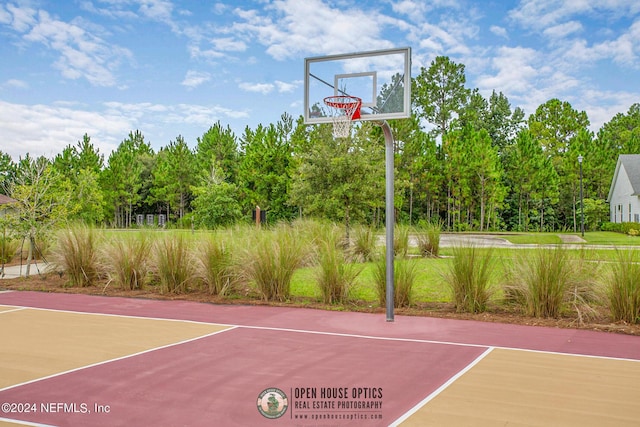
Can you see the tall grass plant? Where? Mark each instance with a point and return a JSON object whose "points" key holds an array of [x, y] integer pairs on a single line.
{"points": [[405, 272], [469, 276], [125, 259], [271, 258], [622, 287], [173, 265], [75, 254]]}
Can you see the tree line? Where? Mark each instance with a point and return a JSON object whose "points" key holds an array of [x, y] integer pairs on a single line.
{"points": [[463, 161]]}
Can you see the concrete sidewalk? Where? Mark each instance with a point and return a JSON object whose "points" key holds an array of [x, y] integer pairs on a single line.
{"points": [[14, 271]]}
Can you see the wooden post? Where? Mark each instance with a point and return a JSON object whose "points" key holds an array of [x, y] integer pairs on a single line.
{"points": [[257, 216]]}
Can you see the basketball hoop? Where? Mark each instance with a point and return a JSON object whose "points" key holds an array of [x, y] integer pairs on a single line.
{"points": [[343, 111]]}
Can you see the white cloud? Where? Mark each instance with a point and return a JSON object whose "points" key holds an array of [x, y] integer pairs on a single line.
{"points": [[19, 18], [561, 31], [15, 83], [195, 78], [229, 44], [263, 88], [499, 31], [542, 14], [46, 129], [284, 87], [81, 54]]}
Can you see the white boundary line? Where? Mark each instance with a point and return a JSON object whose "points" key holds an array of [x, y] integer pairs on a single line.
{"points": [[25, 423], [12, 310], [440, 389], [336, 334], [104, 362]]}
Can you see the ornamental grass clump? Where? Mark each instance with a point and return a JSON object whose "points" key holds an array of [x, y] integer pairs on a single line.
{"points": [[622, 287], [428, 238], [334, 276], [542, 281], [215, 265], [126, 260], [401, 241], [271, 258], [173, 265], [363, 247], [75, 253], [469, 276], [405, 273]]}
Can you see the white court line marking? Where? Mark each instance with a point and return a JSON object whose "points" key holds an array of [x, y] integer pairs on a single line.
{"points": [[104, 362], [440, 389], [25, 423], [336, 334], [12, 310]]}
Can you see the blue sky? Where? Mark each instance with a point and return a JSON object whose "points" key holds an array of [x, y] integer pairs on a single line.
{"points": [[169, 67]]}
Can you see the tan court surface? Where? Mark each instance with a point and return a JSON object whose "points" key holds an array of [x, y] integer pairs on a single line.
{"points": [[40, 343], [519, 387]]}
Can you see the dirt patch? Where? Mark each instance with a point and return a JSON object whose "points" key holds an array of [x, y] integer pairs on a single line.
{"points": [[598, 321]]}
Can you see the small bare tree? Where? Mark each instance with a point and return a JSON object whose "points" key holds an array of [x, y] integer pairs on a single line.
{"points": [[42, 197]]}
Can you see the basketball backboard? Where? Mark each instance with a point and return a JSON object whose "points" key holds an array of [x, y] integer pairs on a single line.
{"points": [[380, 78]]}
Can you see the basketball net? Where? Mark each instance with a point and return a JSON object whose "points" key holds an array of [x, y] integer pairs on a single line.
{"points": [[343, 110]]}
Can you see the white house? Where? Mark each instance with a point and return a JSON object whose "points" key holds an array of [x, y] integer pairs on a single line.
{"points": [[624, 194]]}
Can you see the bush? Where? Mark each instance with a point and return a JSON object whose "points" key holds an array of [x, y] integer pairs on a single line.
{"points": [[173, 265], [401, 241], [334, 276], [8, 249], [271, 259], [428, 237], [620, 227], [622, 284], [468, 277], [363, 248], [75, 254], [125, 260], [542, 282], [404, 277], [215, 265]]}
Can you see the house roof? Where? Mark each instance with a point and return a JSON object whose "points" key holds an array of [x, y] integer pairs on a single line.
{"points": [[5, 200], [631, 165]]}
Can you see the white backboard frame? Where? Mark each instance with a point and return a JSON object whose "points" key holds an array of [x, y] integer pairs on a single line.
{"points": [[370, 60]]}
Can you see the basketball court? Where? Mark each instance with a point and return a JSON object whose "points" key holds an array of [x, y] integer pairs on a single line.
{"points": [[77, 360]]}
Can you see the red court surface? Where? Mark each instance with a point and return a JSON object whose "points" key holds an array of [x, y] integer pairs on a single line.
{"points": [[335, 368]]}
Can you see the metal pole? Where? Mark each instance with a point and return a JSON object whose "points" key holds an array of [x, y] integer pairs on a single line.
{"points": [[389, 216], [581, 199]]}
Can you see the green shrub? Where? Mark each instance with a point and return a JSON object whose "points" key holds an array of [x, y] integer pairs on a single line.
{"points": [[215, 265], [622, 284], [125, 260], [428, 238], [75, 253], [363, 248], [173, 266], [541, 281], [401, 241], [8, 249], [404, 277], [271, 258], [468, 276], [334, 276]]}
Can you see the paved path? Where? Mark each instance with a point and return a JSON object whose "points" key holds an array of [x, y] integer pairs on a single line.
{"points": [[15, 271]]}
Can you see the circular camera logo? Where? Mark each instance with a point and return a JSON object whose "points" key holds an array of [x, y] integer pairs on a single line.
{"points": [[272, 403]]}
